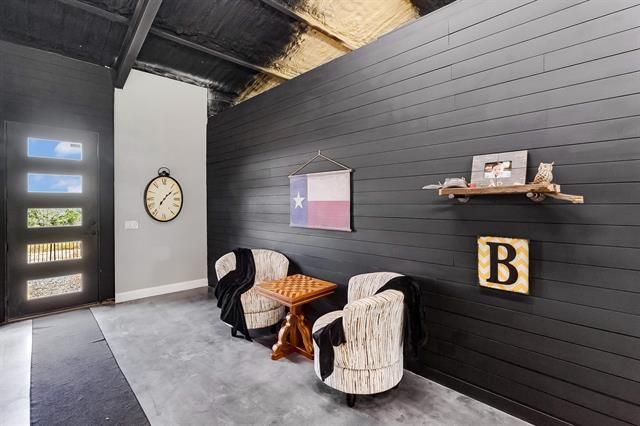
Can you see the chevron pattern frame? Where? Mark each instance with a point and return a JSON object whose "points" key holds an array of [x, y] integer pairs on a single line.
{"points": [[519, 264]]}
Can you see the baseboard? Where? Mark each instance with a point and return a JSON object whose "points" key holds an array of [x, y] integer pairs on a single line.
{"points": [[126, 296]]}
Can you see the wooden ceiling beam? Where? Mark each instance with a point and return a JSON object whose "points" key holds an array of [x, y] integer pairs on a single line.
{"points": [[114, 17], [311, 22], [141, 21]]}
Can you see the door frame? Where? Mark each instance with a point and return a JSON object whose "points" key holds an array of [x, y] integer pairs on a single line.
{"points": [[105, 215]]}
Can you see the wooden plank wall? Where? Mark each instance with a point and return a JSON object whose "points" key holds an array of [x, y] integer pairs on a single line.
{"points": [[560, 78], [48, 89]]}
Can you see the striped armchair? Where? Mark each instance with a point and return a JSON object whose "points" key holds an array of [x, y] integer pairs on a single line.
{"points": [[371, 360], [259, 311]]}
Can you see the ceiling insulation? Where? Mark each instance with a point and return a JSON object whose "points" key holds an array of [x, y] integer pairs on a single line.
{"points": [[331, 29], [358, 21], [235, 48]]}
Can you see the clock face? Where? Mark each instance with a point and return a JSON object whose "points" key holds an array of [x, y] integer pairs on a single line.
{"points": [[163, 198]]}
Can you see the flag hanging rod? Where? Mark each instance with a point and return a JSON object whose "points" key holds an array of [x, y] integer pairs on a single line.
{"points": [[321, 155]]}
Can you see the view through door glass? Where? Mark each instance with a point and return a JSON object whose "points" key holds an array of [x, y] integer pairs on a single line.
{"points": [[52, 218]]}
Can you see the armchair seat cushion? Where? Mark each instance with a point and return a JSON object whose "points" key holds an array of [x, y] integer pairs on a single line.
{"points": [[260, 311], [253, 302]]}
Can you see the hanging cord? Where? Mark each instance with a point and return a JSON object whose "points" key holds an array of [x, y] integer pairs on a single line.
{"points": [[321, 155]]}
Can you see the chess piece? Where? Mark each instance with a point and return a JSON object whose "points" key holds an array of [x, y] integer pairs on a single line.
{"points": [[545, 174]]}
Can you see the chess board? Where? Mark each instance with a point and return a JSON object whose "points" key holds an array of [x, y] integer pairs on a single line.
{"points": [[296, 289]]}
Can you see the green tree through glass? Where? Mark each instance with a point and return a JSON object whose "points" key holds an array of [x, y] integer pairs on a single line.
{"points": [[38, 218]]}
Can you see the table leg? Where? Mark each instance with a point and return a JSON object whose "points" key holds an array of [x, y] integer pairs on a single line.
{"points": [[282, 348], [295, 327], [305, 331]]}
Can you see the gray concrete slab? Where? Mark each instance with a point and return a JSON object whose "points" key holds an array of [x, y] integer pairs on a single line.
{"points": [[186, 369], [15, 373]]}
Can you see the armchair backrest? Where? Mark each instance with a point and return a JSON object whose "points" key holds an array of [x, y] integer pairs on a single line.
{"points": [[270, 265], [373, 324], [365, 285]]}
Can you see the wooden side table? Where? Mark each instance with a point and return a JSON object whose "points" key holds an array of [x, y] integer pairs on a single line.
{"points": [[294, 291]]}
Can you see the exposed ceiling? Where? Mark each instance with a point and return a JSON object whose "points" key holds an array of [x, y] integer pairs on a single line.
{"points": [[236, 48]]}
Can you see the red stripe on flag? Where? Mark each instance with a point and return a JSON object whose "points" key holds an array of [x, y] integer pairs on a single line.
{"points": [[329, 214]]}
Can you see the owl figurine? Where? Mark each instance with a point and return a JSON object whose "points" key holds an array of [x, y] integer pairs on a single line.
{"points": [[545, 173]]}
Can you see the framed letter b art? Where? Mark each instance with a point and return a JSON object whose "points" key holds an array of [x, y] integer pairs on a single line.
{"points": [[503, 263]]}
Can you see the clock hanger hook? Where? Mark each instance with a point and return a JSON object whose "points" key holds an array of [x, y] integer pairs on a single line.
{"points": [[164, 171]]}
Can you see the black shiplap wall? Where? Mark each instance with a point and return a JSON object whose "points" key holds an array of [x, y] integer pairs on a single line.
{"points": [[47, 89], [560, 78]]}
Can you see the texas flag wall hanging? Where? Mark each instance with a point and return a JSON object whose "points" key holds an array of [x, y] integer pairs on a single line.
{"points": [[321, 200]]}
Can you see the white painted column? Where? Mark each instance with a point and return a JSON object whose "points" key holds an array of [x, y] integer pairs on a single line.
{"points": [[15, 374]]}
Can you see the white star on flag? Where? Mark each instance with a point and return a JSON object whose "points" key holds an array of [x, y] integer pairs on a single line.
{"points": [[298, 199]]}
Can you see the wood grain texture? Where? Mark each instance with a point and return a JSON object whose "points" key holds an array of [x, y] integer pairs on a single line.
{"points": [[296, 289], [557, 78], [48, 89]]}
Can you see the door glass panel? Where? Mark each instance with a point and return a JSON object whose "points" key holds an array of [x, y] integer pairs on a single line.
{"points": [[64, 184], [48, 148], [53, 252], [52, 217], [54, 286]]}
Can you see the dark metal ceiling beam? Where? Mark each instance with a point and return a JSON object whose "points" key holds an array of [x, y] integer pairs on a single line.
{"points": [[141, 21], [311, 22], [94, 10], [184, 42], [114, 17]]}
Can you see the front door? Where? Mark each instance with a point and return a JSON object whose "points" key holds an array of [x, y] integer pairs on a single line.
{"points": [[52, 216]]}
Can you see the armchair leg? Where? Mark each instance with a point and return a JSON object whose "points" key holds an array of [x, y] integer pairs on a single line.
{"points": [[351, 399]]}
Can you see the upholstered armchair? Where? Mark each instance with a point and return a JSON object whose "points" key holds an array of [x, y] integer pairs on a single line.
{"points": [[259, 311], [371, 360]]}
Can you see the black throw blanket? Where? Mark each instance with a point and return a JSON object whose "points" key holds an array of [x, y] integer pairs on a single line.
{"points": [[230, 288], [414, 332]]}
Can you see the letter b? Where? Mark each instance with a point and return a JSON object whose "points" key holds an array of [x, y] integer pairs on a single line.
{"points": [[495, 261]]}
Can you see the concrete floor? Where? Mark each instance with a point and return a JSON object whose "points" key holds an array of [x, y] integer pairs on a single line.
{"points": [[186, 369]]}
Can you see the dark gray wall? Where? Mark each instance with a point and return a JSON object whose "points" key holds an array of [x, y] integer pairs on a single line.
{"points": [[47, 89], [560, 78]]}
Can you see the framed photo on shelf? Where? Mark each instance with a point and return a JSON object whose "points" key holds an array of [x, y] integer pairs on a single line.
{"points": [[500, 169]]}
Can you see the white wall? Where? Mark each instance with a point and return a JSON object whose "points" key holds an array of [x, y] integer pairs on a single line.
{"points": [[159, 122]]}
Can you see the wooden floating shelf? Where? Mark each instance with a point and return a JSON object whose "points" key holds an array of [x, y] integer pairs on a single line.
{"points": [[535, 192]]}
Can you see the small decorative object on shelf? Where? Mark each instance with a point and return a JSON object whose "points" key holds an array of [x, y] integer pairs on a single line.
{"points": [[544, 176], [460, 182], [501, 169], [545, 173]]}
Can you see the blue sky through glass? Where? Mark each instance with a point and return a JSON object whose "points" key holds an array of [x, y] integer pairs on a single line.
{"points": [[55, 183], [47, 148]]}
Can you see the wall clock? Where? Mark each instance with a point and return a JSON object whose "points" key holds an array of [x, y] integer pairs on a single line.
{"points": [[163, 197]]}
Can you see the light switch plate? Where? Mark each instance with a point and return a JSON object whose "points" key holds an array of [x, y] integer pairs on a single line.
{"points": [[131, 224]]}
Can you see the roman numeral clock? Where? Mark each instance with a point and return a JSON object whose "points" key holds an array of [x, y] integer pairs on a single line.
{"points": [[163, 197]]}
